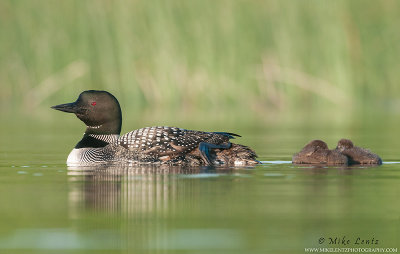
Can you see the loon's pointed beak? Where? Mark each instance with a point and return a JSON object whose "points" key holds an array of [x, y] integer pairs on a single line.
{"points": [[67, 107]]}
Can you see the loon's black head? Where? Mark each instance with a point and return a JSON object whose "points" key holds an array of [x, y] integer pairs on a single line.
{"points": [[99, 110]]}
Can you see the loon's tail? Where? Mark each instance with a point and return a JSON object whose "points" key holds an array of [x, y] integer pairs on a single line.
{"points": [[230, 135]]}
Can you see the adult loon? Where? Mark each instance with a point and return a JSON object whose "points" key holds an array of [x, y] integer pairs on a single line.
{"points": [[102, 143]]}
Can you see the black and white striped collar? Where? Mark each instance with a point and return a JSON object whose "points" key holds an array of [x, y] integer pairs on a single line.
{"points": [[96, 140]]}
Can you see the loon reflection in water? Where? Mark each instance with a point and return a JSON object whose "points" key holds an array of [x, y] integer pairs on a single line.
{"points": [[134, 189]]}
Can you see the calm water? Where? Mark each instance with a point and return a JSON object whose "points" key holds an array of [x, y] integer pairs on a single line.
{"points": [[272, 208]]}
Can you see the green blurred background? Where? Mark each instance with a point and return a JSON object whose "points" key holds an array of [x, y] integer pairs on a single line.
{"points": [[279, 72], [204, 60]]}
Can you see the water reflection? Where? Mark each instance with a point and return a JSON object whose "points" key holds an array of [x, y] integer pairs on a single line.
{"points": [[179, 208], [198, 210], [146, 191], [127, 190], [144, 205]]}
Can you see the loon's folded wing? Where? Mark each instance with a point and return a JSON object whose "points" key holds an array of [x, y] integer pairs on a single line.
{"points": [[170, 141]]}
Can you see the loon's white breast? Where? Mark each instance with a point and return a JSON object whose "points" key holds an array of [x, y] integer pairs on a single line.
{"points": [[76, 156], [82, 156]]}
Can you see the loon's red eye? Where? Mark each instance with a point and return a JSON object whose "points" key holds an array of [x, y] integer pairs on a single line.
{"points": [[94, 103]]}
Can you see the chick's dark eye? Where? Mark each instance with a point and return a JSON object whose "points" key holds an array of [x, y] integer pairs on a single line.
{"points": [[93, 103]]}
